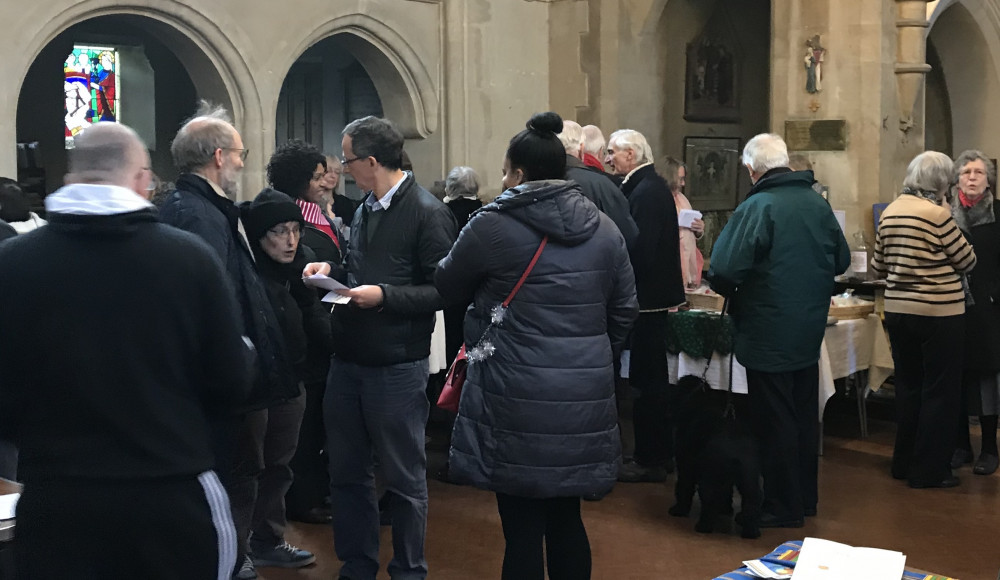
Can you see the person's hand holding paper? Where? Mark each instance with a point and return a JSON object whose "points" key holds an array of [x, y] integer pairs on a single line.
{"points": [[336, 293], [687, 217], [364, 296]]}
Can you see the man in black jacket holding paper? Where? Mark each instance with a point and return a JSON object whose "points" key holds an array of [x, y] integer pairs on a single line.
{"points": [[375, 398]]}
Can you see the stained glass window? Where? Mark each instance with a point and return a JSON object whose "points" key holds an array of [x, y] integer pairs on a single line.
{"points": [[91, 86]]}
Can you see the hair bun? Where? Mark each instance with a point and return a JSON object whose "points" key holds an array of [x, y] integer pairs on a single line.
{"points": [[546, 122]]}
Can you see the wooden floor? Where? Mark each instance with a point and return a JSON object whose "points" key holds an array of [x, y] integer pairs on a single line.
{"points": [[954, 531]]}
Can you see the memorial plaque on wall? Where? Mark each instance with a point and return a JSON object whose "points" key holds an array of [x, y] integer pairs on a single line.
{"points": [[828, 135]]}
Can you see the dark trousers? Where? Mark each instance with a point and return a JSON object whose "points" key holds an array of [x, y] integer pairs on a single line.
{"points": [[556, 523], [649, 374], [242, 473], [927, 353], [312, 483], [171, 529], [380, 411], [259, 465], [281, 438], [784, 409]]}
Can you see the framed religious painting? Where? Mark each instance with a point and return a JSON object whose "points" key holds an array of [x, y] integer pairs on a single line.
{"points": [[713, 171], [711, 88]]}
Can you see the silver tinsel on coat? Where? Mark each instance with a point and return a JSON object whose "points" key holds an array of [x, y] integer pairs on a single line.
{"points": [[484, 349]]}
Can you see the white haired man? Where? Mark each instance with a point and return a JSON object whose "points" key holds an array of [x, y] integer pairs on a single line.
{"points": [[593, 147], [658, 283], [595, 185], [776, 258], [109, 396], [209, 153]]}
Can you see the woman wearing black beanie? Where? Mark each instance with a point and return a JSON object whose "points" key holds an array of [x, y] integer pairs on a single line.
{"points": [[537, 422], [274, 227]]}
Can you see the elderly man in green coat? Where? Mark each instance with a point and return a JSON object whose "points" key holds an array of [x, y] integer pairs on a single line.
{"points": [[776, 260]]}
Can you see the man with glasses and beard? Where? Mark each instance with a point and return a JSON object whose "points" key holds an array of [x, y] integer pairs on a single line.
{"points": [[209, 154]]}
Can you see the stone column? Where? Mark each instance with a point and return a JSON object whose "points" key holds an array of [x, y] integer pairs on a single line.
{"points": [[911, 56]]}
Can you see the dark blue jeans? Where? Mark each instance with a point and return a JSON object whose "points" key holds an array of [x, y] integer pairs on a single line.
{"points": [[379, 411]]}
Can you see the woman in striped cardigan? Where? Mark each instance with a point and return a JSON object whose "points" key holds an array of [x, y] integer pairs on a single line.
{"points": [[922, 254]]}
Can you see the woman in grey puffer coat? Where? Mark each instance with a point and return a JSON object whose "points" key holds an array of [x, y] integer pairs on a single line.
{"points": [[537, 422]]}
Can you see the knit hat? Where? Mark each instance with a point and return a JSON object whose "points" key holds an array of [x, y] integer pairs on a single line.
{"points": [[268, 209]]}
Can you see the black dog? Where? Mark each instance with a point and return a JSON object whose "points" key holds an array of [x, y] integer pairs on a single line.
{"points": [[715, 452]]}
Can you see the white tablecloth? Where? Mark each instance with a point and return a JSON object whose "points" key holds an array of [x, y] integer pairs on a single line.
{"points": [[848, 347]]}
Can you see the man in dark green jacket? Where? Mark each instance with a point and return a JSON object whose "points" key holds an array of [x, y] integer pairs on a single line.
{"points": [[776, 260]]}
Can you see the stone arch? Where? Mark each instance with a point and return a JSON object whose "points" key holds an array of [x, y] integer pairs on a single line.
{"points": [[986, 13], [403, 83], [215, 65], [965, 36]]}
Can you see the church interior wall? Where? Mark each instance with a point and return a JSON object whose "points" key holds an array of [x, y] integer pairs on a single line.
{"points": [[858, 87], [473, 73]]}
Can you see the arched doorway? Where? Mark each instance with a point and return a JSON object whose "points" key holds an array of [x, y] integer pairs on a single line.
{"points": [[351, 67], [963, 49], [168, 61]]}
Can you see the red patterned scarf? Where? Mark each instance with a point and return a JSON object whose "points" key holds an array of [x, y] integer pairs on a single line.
{"points": [[313, 215]]}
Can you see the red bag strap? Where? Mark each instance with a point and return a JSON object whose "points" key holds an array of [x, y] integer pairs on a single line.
{"points": [[527, 271]]}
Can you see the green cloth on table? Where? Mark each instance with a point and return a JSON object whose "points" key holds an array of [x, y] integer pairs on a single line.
{"points": [[696, 333]]}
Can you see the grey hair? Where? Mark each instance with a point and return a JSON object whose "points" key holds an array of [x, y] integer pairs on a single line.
{"points": [[331, 161], [765, 152], [105, 152], [593, 140], [970, 155], [210, 129], [378, 138], [571, 137], [634, 140], [799, 162], [462, 181], [929, 172]]}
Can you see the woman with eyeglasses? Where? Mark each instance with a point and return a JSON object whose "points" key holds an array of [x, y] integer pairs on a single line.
{"points": [[300, 170], [274, 226], [978, 216]]}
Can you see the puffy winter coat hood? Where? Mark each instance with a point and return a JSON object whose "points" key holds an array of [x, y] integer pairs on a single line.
{"points": [[555, 208]]}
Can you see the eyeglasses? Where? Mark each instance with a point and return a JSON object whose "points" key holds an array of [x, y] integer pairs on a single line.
{"points": [[346, 161], [284, 232], [243, 152]]}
